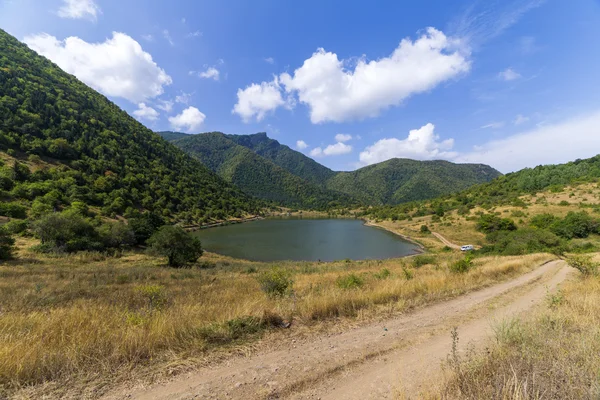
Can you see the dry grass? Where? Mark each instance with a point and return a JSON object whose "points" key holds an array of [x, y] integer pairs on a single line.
{"points": [[553, 355], [87, 320]]}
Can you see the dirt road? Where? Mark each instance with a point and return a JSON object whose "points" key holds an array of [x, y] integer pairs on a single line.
{"points": [[445, 241], [374, 361]]}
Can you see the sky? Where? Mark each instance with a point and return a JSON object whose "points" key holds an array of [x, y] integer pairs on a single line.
{"points": [[509, 83]]}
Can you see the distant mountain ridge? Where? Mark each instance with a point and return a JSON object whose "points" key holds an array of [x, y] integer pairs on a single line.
{"points": [[390, 182]]}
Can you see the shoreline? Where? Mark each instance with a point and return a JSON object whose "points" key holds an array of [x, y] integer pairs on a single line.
{"points": [[193, 228], [421, 247]]}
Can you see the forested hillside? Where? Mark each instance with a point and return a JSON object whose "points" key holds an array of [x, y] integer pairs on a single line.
{"points": [[401, 180], [288, 159], [256, 175], [62, 142]]}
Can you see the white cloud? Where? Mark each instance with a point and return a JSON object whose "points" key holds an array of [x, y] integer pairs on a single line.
{"points": [[301, 145], [117, 67], [79, 9], [341, 137], [194, 34], [148, 38], [165, 105], [168, 37], [336, 93], [189, 120], [421, 144], [493, 125], [337, 149], [520, 119], [183, 98], [145, 112], [270, 60], [509, 74], [255, 101], [210, 73], [316, 152], [566, 141]]}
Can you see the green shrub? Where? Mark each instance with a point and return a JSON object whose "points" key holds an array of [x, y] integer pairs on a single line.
{"points": [[408, 274], [16, 226], [523, 241], [383, 274], [489, 223], [425, 229], [424, 259], [351, 281], [276, 282], [462, 266], [7, 244], [179, 246], [116, 235], [155, 296], [584, 264], [13, 210], [66, 232]]}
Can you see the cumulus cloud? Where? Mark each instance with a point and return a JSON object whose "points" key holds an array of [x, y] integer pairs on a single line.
{"points": [[421, 144], [165, 105], [301, 145], [578, 137], [210, 73], [183, 98], [336, 149], [316, 152], [189, 120], [255, 101], [117, 67], [79, 9], [341, 137], [145, 112], [509, 74], [336, 93]]}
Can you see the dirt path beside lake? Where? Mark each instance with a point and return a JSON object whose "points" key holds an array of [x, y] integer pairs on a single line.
{"points": [[373, 361]]}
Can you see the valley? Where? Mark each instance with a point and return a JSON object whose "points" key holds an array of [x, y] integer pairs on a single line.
{"points": [[143, 264]]}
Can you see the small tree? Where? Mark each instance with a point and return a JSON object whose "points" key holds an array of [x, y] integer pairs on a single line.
{"points": [[6, 245], [176, 244]]}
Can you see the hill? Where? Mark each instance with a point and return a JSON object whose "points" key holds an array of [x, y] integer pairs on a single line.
{"points": [[255, 175], [62, 142], [401, 180], [288, 159]]}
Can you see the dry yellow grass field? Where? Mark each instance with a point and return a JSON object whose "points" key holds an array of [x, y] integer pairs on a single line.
{"points": [[550, 355], [79, 322]]}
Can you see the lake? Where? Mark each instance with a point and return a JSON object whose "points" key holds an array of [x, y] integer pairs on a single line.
{"points": [[304, 240]]}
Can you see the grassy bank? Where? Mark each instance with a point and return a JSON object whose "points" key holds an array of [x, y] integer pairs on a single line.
{"points": [[553, 355], [91, 320]]}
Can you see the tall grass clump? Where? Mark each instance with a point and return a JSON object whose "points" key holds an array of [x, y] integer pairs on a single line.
{"points": [[584, 264], [462, 266], [351, 281], [276, 282]]}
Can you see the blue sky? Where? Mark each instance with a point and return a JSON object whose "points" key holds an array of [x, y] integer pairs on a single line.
{"points": [[508, 83]]}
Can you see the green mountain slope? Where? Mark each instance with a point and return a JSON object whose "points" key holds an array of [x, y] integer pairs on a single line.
{"points": [[256, 175], [288, 159], [402, 180], [73, 144]]}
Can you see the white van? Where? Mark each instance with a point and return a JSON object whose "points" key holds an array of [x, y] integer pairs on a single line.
{"points": [[467, 247]]}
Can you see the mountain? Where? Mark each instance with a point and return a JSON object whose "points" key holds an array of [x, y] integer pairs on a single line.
{"points": [[401, 180], [390, 182], [256, 175], [62, 142], [288, 159]]}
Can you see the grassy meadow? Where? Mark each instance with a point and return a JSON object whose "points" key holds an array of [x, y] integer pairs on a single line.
{"points": [[91, 320]]}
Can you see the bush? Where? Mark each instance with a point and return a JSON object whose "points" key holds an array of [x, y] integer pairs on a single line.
{"points": [[351, 281], [489, 223], [145, 226], [575, 225], [116, 235], [462, 266], [408, 274], [275, 282], [6, 244], [383, 274], [13, 210], [523, 241], [66, 232], [179, 246], [419, 261], [425, 229], [584, 264], [16, 227]]}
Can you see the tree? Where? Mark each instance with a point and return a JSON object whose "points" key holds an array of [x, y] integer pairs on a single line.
{"points": [[179, 246], [66, 232], [6, 245]]}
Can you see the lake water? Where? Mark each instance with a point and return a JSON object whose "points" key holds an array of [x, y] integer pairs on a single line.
{"points": [[304, 239]]}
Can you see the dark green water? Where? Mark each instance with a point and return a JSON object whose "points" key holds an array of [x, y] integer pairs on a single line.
{"points": [[304, 239]]}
